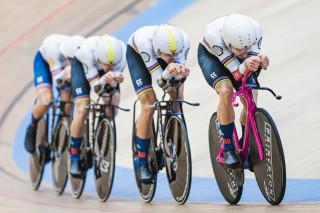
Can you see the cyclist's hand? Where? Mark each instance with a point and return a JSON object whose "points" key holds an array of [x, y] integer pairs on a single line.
{"points": [[108, 77], [185, 71], [264, 61], [173, 69], [118, 77], [252, 63]]}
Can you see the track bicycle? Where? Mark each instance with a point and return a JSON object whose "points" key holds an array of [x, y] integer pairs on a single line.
{"points": [[52, 135], [169, 148], [261, 150], [98, 149]]}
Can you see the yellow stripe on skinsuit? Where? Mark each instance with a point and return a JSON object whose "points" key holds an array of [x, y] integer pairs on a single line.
{"points": [[110, 52], [172, 40]]}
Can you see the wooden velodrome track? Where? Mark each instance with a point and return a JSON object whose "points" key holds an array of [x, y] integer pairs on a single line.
{"points": [[291, 36]]}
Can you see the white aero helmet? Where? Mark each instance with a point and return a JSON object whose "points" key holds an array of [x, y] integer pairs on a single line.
{"points": [[238, 31], [70, 45], [167, 39], [108, 50]]}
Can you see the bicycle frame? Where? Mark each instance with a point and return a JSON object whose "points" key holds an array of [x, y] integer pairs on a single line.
{"points": [[246, 93], [99, 111], [164, 111], [52, 118], [167, 107]]}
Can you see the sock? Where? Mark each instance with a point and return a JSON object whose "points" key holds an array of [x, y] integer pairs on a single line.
{"points": [[227, 131], [75, 145], [143, 147], [34, 123]]}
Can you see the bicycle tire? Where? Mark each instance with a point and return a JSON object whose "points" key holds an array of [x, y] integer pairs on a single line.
{"points": [[230, 189], [37, 160], [60, 155], [270, 173], [146, 190], [77, 183], [104, 164], [178, 163]]}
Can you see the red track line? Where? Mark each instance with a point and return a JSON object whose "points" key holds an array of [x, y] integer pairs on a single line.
{"points": [[62, 206], [25, 34]]}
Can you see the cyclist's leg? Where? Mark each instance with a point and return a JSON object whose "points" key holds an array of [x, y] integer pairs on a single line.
{"points": [[144, 133], [144, 124], [115, 101], [43, 84], [243, 115], [65, 95], [173, 96], [219, 78], [78, 125], [142, 83], [44, 95], [80, 91]]}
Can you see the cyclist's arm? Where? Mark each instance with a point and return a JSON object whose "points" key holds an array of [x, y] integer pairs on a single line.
{"points": [[57, 63], [256, 48], [149, 58], [182, 58], [215, 45]]}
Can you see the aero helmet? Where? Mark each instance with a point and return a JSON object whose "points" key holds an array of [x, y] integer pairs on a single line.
{"points": [[238, 31], [168, 39], [70, 45], [108, 50]]}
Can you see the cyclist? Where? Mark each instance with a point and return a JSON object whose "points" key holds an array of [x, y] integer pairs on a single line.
{"points": [[229, 48], [99, 62], [158, 53], [52, 64]]}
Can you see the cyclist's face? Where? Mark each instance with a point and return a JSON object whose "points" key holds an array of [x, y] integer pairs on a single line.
{"points": [[168, 58], [241, 53], [107, 67]]}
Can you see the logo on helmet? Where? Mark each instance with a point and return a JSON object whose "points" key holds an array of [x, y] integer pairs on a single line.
{"points": [[110, 52], [172, 41]]}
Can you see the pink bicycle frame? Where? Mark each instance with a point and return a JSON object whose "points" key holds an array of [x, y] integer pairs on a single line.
{"points": [[246, 93]]}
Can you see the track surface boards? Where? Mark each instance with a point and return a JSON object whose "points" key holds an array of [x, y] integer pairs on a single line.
{"points": [[290, 40]]}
